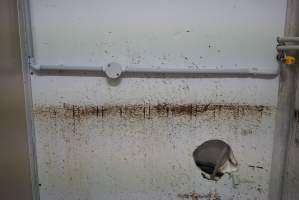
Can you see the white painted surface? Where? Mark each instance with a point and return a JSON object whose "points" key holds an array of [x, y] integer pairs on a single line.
{"points": [[123, 158], [116, 158], [157, 33]]}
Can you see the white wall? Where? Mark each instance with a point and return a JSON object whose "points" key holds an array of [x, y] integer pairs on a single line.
{"points": [[135, 150]]}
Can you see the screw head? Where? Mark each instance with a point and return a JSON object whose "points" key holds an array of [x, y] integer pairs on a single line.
{"points": [[113, 70]]}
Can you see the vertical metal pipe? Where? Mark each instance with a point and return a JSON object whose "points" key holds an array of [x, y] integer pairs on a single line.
{"points": [[25, 16], [285, 112], [26, 47]]}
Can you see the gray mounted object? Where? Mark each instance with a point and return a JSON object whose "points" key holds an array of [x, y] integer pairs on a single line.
{"points": [[215, 158]]}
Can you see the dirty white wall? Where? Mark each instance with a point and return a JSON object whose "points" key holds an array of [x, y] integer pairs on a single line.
{"points": [[133, 138]]}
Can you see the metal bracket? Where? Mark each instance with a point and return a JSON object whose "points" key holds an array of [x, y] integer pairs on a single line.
{"points": [[113, 70], [286, 47], [30, 60]]}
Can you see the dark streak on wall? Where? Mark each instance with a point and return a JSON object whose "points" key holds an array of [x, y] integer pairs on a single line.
{"points": [[147, 111], [297, 127], [196, 196]]}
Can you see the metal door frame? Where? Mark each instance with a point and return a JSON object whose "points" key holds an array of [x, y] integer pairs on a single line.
{"points": [[25, 35]]}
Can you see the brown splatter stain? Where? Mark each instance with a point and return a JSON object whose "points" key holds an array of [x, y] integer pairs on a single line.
{"points": [[133, 111], [255, 167], [53, 113], [197, 196], [147, 111], [246, 132], [98, 111], [162, 110]]}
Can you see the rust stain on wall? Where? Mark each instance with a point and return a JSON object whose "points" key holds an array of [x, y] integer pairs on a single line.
{"points": [[77, 139], [148, 111], [197, 196]]}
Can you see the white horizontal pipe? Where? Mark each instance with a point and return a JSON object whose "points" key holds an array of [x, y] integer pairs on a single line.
{"points": [[268, 71], [66, 68], [207, 70], [287, 39], [287, 47]]}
